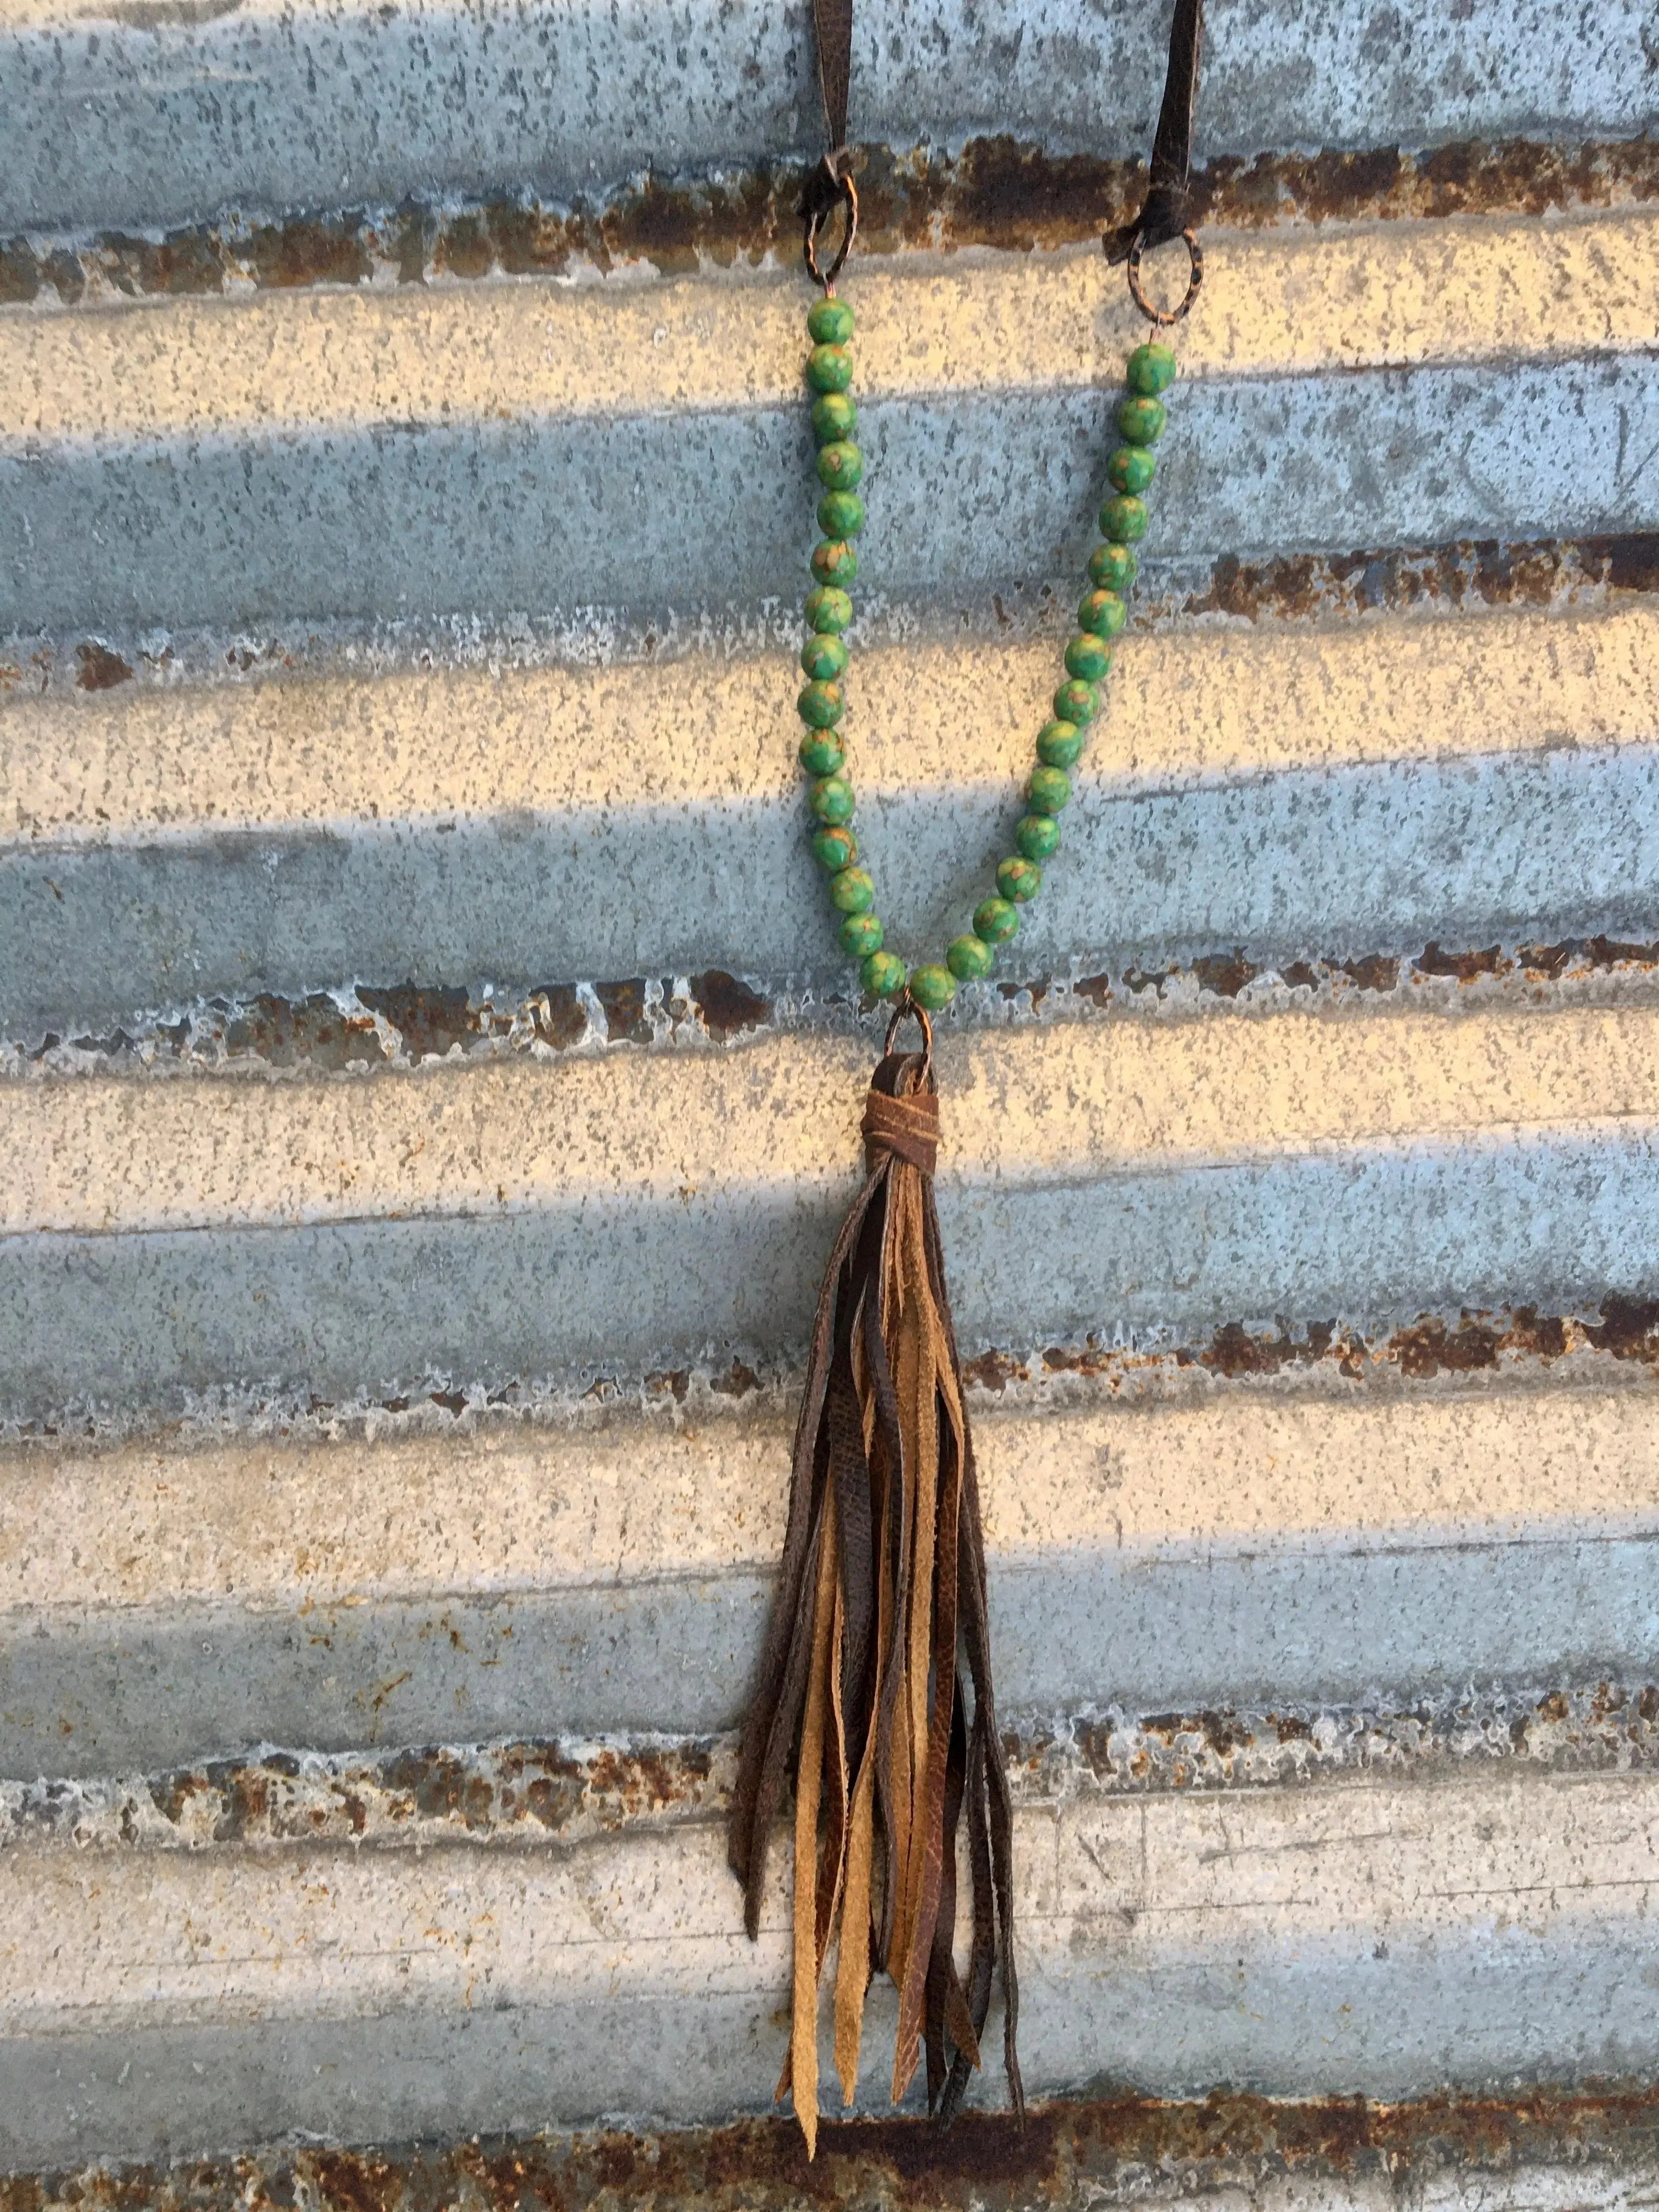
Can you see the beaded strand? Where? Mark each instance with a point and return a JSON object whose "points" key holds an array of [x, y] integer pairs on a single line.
{"points": [[1101, 616]]}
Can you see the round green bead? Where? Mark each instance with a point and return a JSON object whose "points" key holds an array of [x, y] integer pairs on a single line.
{"points": [[860, 934], [1038, 836], [932, 987], [841, 515], [1112, 568], [851, 891], [828, 368], [835, 415], [883, 975], [830, 322], [834, 562], [1018, 879], [831, 799], [995, 921], [967, 959], [820, 753], [1124, 520], [1088, 656], [1103, 613], [841, 465], [1048, 789], [1131, 468], [1141, 421], [1059, 744], [829, 609], [1151, 371], [823, 659], [821, 705], [836, 848], [1074, 702]]}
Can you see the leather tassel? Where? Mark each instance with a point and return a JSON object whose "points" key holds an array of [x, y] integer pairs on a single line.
{"points": [[874, 1688]]}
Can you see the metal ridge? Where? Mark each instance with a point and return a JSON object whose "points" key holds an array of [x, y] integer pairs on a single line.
{"points": [[994, 191]]}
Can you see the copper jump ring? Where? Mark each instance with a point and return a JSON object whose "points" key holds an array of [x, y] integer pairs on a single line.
{"points": [[1157, 315], [835, 191], [907, 1004]]}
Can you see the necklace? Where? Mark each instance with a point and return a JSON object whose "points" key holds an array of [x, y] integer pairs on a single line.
{"points": [[882, 1585]]}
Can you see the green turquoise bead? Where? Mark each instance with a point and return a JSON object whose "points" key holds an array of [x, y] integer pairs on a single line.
{"points": [[1124, 520], [836, 848], [1131, 468], [932, 987], [1141, 421], [1151, 371], [841, 515], [828, 368], [1059, 744], [830, 322], [1048, 789], [1102, 612], [1088, 656], [860, 934], [1038, 836], [841, 465], [851, 891], [1074, 702], [834, 562], [967, 959], [1112, 569], [823, 659], [995, 921], [835, 415], [831, 799], [821, 705], [883, 975], [820, 753], [1018, 879], [829, 609]]}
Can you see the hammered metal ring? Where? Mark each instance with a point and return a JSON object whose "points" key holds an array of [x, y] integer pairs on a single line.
{"points": [[907, 1005], [1194, 279], [845, 196]]}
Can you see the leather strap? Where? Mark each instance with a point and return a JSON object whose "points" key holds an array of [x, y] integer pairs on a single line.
{"points": [[832, 22], [1167, 211]]}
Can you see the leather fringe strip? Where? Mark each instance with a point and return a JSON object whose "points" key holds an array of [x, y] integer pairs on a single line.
{"points": [[881, 1597]]}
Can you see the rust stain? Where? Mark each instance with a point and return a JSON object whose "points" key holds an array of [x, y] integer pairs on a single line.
{"points": [[101, 669], [310, 1032], [429, 1022], [997, 191], [1068, 2153], [1467, 572], [1626, 1327]]}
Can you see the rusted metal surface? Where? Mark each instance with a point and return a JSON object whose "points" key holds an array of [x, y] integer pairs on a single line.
{"points": [[540, 1794], [996, 191], [369, 1026], [1467, 576], [1077, 2152]]}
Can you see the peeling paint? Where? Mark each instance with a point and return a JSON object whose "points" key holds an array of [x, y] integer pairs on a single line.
{"points": [[401, 1025], [538, 1794], [997, 191]]}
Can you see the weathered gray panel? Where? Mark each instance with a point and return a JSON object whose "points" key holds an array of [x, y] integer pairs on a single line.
{"points": [[712, 511], [115, 1692], [129, 1321], [1336, 863], [150, 116]]}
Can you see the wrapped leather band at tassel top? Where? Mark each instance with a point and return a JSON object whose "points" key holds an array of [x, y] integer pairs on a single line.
{"points": [[881, 1593]]}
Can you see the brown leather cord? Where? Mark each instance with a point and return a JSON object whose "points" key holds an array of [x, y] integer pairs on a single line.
{"points": [[875, 1679]]}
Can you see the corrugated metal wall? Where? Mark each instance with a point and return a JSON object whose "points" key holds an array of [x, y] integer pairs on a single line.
{"points": [[430, 1082]]}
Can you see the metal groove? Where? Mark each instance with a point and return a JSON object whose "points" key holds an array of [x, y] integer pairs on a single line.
{"points": [[998, 193]]}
